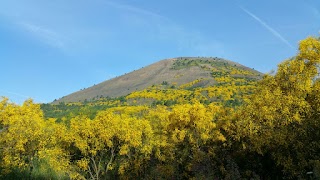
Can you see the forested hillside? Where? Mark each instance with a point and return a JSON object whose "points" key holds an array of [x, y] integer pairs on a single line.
{"points": [[180, 81], [238, 127]]}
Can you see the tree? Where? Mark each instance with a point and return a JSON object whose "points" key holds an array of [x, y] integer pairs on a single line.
{"points": [[27, 141], [280, 119], [185, 138], [110, 144], [21, 135]]}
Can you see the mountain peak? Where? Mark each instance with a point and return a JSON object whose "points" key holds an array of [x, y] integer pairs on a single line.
{"points": [[177, 71]]}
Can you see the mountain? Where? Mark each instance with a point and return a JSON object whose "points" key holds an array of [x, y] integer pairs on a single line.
{"points": [[177, 72]]}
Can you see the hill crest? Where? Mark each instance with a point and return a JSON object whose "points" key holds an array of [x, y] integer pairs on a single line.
{"points": [[177, 71]]}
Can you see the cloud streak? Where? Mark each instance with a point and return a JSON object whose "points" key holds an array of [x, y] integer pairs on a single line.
{"points": [[167, 30], [18, 97], [269, 28], [46, 35], [134, 9], [16, 94]]}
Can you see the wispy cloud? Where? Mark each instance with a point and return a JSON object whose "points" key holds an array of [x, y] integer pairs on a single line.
{"points": [[311, 8], [44, 34], [78, 35], [18, 97], [16, 94], [13, 96], [269, 28], [134, 9], [166, 29]]}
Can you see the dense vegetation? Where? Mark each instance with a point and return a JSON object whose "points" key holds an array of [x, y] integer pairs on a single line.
{"points": [[237, 129]]}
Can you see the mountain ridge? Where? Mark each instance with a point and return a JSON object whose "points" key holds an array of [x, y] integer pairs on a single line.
{"points": [[176, 71]]}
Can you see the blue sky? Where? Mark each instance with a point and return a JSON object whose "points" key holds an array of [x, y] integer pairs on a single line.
{"points": [[52, 48]]}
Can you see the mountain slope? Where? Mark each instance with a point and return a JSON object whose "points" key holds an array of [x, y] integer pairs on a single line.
{"points": [[176, 71]]}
